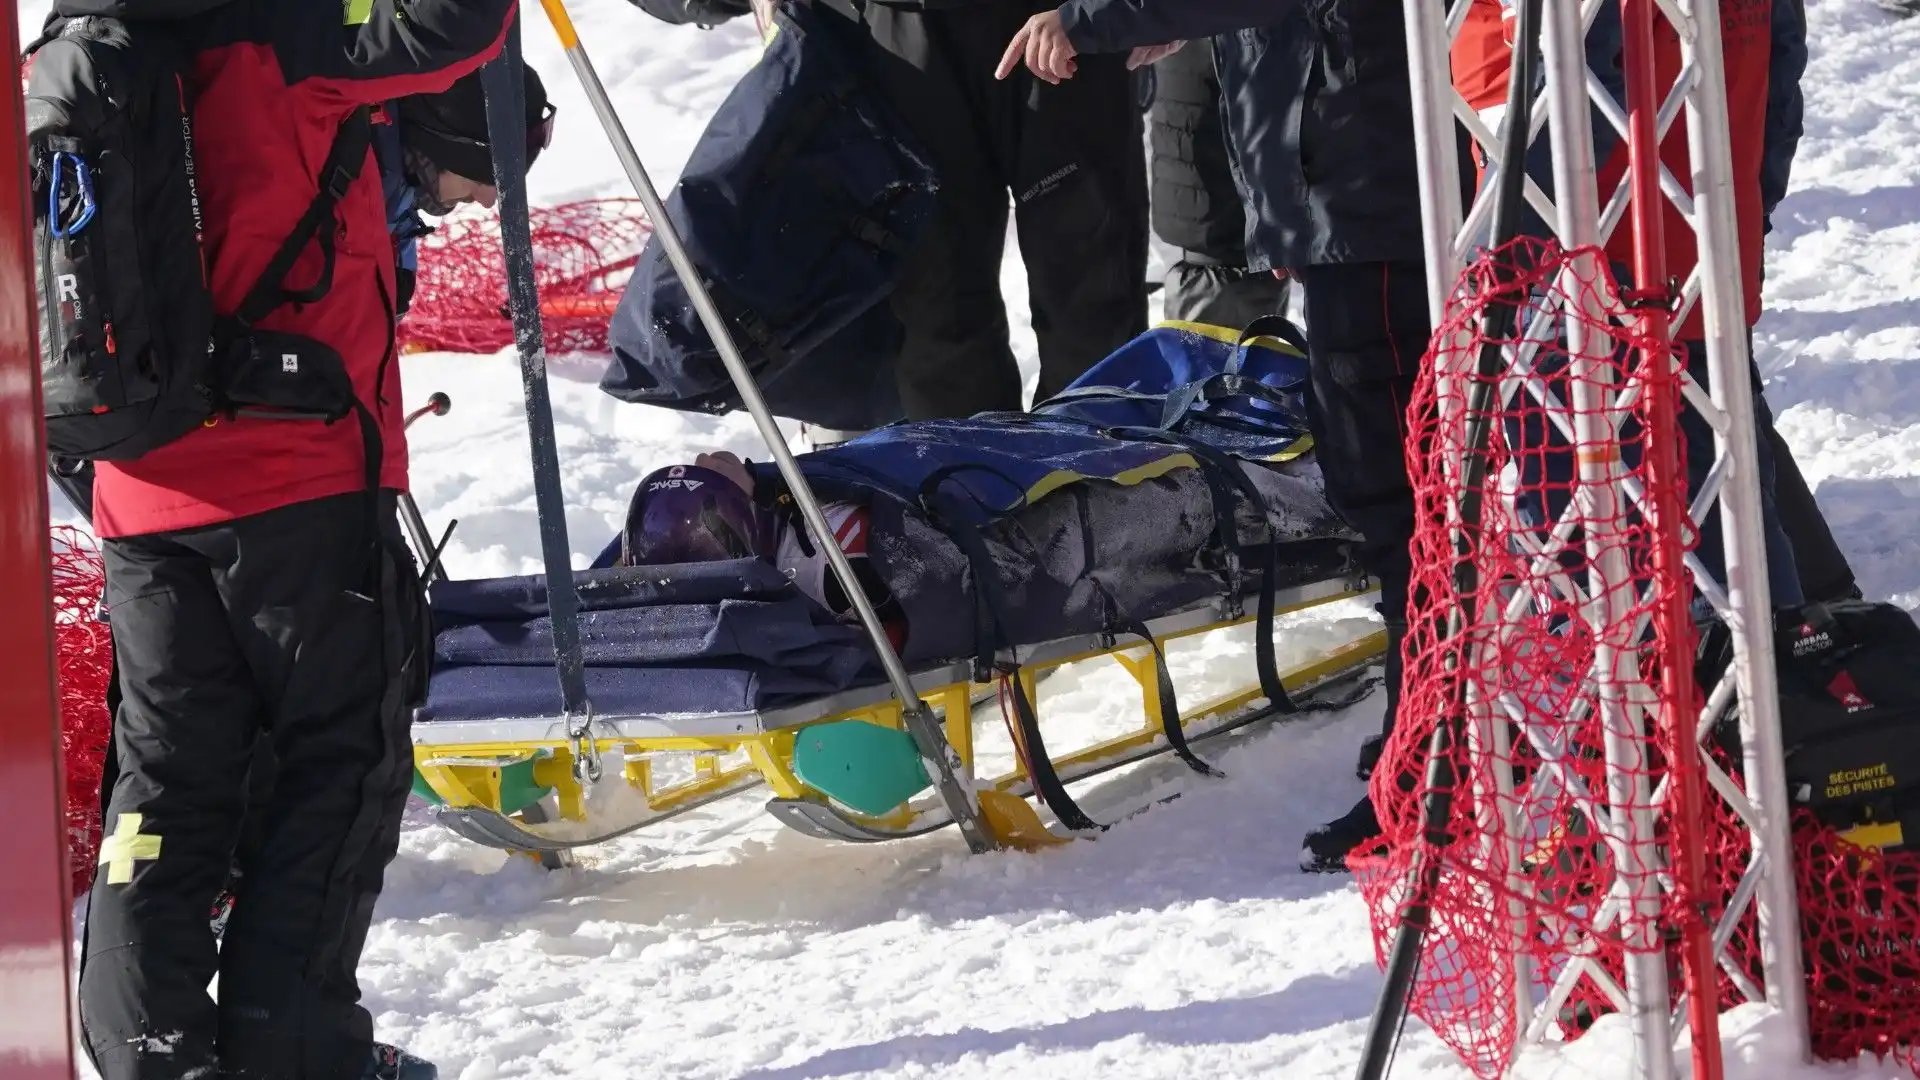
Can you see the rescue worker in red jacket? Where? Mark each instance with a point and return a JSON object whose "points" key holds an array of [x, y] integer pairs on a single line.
{"points": [[258, 586]]}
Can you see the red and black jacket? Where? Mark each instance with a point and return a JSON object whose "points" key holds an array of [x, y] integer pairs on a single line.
{"points": [[274, 79]]}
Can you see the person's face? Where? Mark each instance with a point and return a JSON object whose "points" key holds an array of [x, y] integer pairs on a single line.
{"points": [[457, 190]]}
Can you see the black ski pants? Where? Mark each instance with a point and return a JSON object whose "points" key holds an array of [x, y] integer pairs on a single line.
{"points": [[1072, 161], [1367, 328], [304, 626]]}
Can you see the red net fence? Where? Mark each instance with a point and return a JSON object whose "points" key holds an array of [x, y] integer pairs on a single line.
{"points": [[1546, 666], [83, 660], [583, 253]]}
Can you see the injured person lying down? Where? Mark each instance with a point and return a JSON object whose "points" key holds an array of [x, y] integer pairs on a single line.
{"points": [[705, 512]]}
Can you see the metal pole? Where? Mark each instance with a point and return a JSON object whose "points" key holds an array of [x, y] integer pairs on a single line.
{"points": [[1750, 618], [410, 517], [1667, 486], [1436, 150], [943, 764], [1636, 860], [501, 80]]}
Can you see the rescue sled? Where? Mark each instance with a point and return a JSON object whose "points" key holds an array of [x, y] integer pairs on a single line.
{"points": [[1163, 495], [711, 680], [511, 784]]}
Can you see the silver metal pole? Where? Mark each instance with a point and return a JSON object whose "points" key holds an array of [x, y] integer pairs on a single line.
{"points": [[1750, 615], [1624, 723], [943, 763], [1436, 150]]}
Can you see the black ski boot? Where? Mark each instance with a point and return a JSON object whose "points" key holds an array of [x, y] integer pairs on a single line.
{"points": [[393, 1063], [1328, 846]]}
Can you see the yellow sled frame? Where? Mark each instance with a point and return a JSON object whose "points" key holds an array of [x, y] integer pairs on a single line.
{"points": [[463, 762]]}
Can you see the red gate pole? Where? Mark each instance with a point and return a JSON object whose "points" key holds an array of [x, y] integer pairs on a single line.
{"points": [[35, 909], [1667, 492]]}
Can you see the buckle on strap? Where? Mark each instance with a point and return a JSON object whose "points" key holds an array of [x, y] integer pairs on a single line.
{"points": [[337, 181]]}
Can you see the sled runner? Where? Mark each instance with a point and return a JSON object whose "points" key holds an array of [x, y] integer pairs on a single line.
{"points": [[1162, 496]]}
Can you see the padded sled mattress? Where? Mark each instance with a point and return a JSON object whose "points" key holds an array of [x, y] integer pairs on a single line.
{"points": [[506, 705]]}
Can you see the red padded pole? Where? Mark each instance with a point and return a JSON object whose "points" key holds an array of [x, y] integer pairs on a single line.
{"points": [[35, 905]]}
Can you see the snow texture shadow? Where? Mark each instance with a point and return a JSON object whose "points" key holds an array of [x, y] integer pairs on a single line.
{"points": [[1873, 520], [1307, 1004], [1788, 345], [1808, 210]]}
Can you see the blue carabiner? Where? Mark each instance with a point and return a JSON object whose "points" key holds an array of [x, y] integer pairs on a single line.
{"points": [[85, 177]]}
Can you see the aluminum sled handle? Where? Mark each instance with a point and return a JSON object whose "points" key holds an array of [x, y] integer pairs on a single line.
{"points": [[749, 391]]}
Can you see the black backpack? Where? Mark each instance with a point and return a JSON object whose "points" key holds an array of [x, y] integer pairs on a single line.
{"points": [[132, 353], [1849, 676]]}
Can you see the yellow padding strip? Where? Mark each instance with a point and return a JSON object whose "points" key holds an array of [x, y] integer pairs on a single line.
{"points": [[1231, 337]]}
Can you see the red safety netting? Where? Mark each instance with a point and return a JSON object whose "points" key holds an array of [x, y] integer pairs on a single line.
{"points": [[1860, 913], [1525, 875], [83, 659], [1527, 882], [583, 253]]}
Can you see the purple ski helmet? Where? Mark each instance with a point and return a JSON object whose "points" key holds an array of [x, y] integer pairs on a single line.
{"points": [[685, 514]]}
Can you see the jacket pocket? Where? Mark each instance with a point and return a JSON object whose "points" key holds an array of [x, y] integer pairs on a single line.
{"points": [[276, 374]]}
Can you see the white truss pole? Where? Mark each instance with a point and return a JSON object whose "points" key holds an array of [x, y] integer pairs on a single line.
{"points": [[1436, 151], [1623, 697], [1749, 614], [1624, 722]]}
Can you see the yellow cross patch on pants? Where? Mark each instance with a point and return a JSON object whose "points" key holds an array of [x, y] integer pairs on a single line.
{"points": [[120, 852]]}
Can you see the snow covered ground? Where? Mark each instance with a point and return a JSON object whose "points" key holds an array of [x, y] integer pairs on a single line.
{"points": [[1183, 944]]}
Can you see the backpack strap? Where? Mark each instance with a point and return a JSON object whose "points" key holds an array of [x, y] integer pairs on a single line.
{"points": [[342, 167]]}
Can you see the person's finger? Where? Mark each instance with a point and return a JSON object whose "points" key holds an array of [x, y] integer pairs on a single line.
{"points": [[1037, 58], [1010, 59], [1059, 56]]}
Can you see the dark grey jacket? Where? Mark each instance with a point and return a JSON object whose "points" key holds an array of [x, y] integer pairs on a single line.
{"points": [[1197, 204], [1319, 114]]}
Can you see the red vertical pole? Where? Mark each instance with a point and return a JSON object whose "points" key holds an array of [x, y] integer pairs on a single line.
{"points": [[1668, 494], [35, 908]]}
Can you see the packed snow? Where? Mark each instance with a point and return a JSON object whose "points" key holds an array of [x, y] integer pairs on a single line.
{"points": [[1184, 943]]}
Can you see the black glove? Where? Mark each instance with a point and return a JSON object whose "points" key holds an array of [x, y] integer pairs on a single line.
{"points": [[402, 290]]}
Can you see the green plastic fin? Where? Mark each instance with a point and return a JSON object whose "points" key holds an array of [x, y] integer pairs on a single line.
{"points": [[424, 789], [517, 789], [866, 767]]}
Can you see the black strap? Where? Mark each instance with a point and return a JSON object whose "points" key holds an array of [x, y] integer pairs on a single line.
{"points": [[1220, 470], [1278, 326], [337, 174], [1230, 382], [1170, 725], [989, 628], [1227, 384], [838, 92]]}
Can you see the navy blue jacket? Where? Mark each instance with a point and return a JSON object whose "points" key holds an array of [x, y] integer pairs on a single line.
{"points": [[1319, 113], [1319, 106]]}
